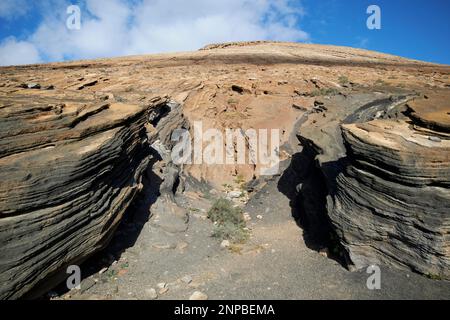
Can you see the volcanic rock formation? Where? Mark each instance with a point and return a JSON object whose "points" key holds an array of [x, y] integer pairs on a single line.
{"points": [[77, 137], [69, 170], [393, 199]]}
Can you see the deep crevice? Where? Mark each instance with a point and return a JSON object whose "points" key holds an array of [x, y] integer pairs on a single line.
{"points": [[305, 184]]}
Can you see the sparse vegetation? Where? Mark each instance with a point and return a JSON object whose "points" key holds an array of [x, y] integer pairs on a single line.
{"points": [[236, 249], [227, 187], [229, 221], [325, 92], [239, 179], [241, 182], [111, 273], [434, 276], [343, 80]]}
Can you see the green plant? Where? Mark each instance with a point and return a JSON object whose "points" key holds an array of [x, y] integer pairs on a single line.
{"points": [[236, 249], [433, 276], [343, 80], [239, 179], [241, 182], [111, 273], [325, 92], [227, 186], [229, 221]]}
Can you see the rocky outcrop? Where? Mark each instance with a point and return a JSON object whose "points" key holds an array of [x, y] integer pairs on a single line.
{"points": [[392, 200], [70, 168]]}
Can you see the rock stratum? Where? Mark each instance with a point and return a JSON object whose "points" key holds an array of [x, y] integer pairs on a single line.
{"points": [[392, 200], [372, 165], [69, 171]]}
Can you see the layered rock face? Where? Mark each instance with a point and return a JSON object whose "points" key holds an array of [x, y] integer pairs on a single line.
{"points": [[69, 171], [392, 200]]}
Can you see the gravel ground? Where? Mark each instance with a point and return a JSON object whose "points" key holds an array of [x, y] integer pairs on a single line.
{"points": [[145, 262]]}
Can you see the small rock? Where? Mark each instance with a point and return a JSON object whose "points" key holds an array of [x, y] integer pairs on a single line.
{"points": [[33, 86], [163, 290], [161, 285], [182, 245], [247, 217], [88, 84], [108, 96], [259, 217], [299, 107], [187, 279], [235, 194], [103, 270], [239, 89], [151, 294], [163, 246], [197, 295], [434, 139], [225, 244], [324, 252]]}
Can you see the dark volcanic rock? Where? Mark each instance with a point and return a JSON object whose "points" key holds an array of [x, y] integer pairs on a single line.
{"points": [[392, 201], [387, 181], [69, 171]]}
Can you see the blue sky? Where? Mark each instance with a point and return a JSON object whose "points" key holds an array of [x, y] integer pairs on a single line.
{"points": [[418, 29], [35, 31]]}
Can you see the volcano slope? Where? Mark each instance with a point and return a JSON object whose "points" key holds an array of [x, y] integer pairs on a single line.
{"points": [[364, 171]]}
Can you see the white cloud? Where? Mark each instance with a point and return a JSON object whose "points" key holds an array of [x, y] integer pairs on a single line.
{"points": [[362, 43], [13, 52], [188, 25], [118, 27], [10, 9]]}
